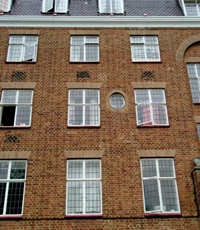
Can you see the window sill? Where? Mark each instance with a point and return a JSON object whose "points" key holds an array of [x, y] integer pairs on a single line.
{"points": [[11, 217], [163, 214], [147, 61], [15, 127], [88, 216], [80, 126], [153, 126], [84, 62]]}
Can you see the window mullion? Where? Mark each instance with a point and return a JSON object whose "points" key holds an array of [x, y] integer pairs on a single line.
{"points": [[7, 188], [84, 188], [159, 185], [150, 107], [84, 49]]}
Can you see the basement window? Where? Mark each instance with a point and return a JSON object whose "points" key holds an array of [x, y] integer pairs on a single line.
{"points": [[16, 108]]}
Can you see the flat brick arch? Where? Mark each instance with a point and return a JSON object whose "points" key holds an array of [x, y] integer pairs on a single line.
{"points": [[183, 47]]}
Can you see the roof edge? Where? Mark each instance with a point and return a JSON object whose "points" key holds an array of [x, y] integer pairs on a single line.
{"points": [[100, 22]]}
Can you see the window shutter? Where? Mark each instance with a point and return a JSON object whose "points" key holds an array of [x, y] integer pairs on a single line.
{"points": [[29, 53], [61, 6], [47, 5]]}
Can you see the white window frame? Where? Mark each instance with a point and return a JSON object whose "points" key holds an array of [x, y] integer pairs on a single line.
{"points": [[84, 105], [145, 46], [84, 180], [112, 10], [150, 104], [24, 46], [160, 208], [84, 45], [8, 181], [17, 105], [5, 5], [197, 82], [57, 6]]}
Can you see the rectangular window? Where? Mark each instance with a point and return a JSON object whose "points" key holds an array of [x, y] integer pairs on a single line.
{"points": [[57, 6], [159, 185], [84, 194], [145, 48], [16, 107], [5, 5], [22, 48], [151, 108], [84, 49], [83, 107], [198, 130], [194, 78], [111, 6], [12, 187], [192, 7]]}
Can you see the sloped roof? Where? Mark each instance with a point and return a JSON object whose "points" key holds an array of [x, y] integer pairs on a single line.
{"points": [[90, 8]]}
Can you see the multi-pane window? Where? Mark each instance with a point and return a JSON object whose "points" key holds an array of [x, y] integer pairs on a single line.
{"points": [[151, 108], [5, 5], [84, 49], [111, 6], [12, 187], [16, 107], [159, 185], [192, 7], [22, 48], [145, 48], [84, 187], [83, 107], [194, 78], [57, 6]]}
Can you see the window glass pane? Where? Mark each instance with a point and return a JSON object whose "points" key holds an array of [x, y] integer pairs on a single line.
{"points": [[2, 196], [117, 6], [48, 5], [137, 39], [117, 101], [192, 70], [198, 70], [166, 168], [31, 40], [191, 10], [152, 52], [91, 39], [152, 202], [91, 96], [9, 96], [169, 195], [23, 115], [149, 168], [198, 130], [29, 53], [75, 197], [138, 52], [3, 169], [92, 53], [25, 97], [18, 170], [76, 96], [93, 197], [105, 6], [76, 40], [75, 115], [143, 113], [61, 6], [157, 96], [15, 53], [159, 114], [15, 198], [141, 96], [151, 40], [91, 115], [92, 169], [77, 53], [75, 169], [194, 84], [16, 39]]}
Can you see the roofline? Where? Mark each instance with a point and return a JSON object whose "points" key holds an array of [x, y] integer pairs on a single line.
{"points": [[100, 21]]}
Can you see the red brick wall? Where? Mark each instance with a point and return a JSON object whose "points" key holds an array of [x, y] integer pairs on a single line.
{"points": [[118, 137]]}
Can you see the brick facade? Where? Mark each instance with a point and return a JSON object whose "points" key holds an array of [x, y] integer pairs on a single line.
{"points": [[48, 143]]}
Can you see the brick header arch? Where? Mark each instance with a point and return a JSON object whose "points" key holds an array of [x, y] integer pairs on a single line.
{"points": [[183, 47]]}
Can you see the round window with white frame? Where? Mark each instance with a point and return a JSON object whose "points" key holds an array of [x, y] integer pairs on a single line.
{"points": [[117, 101]]}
